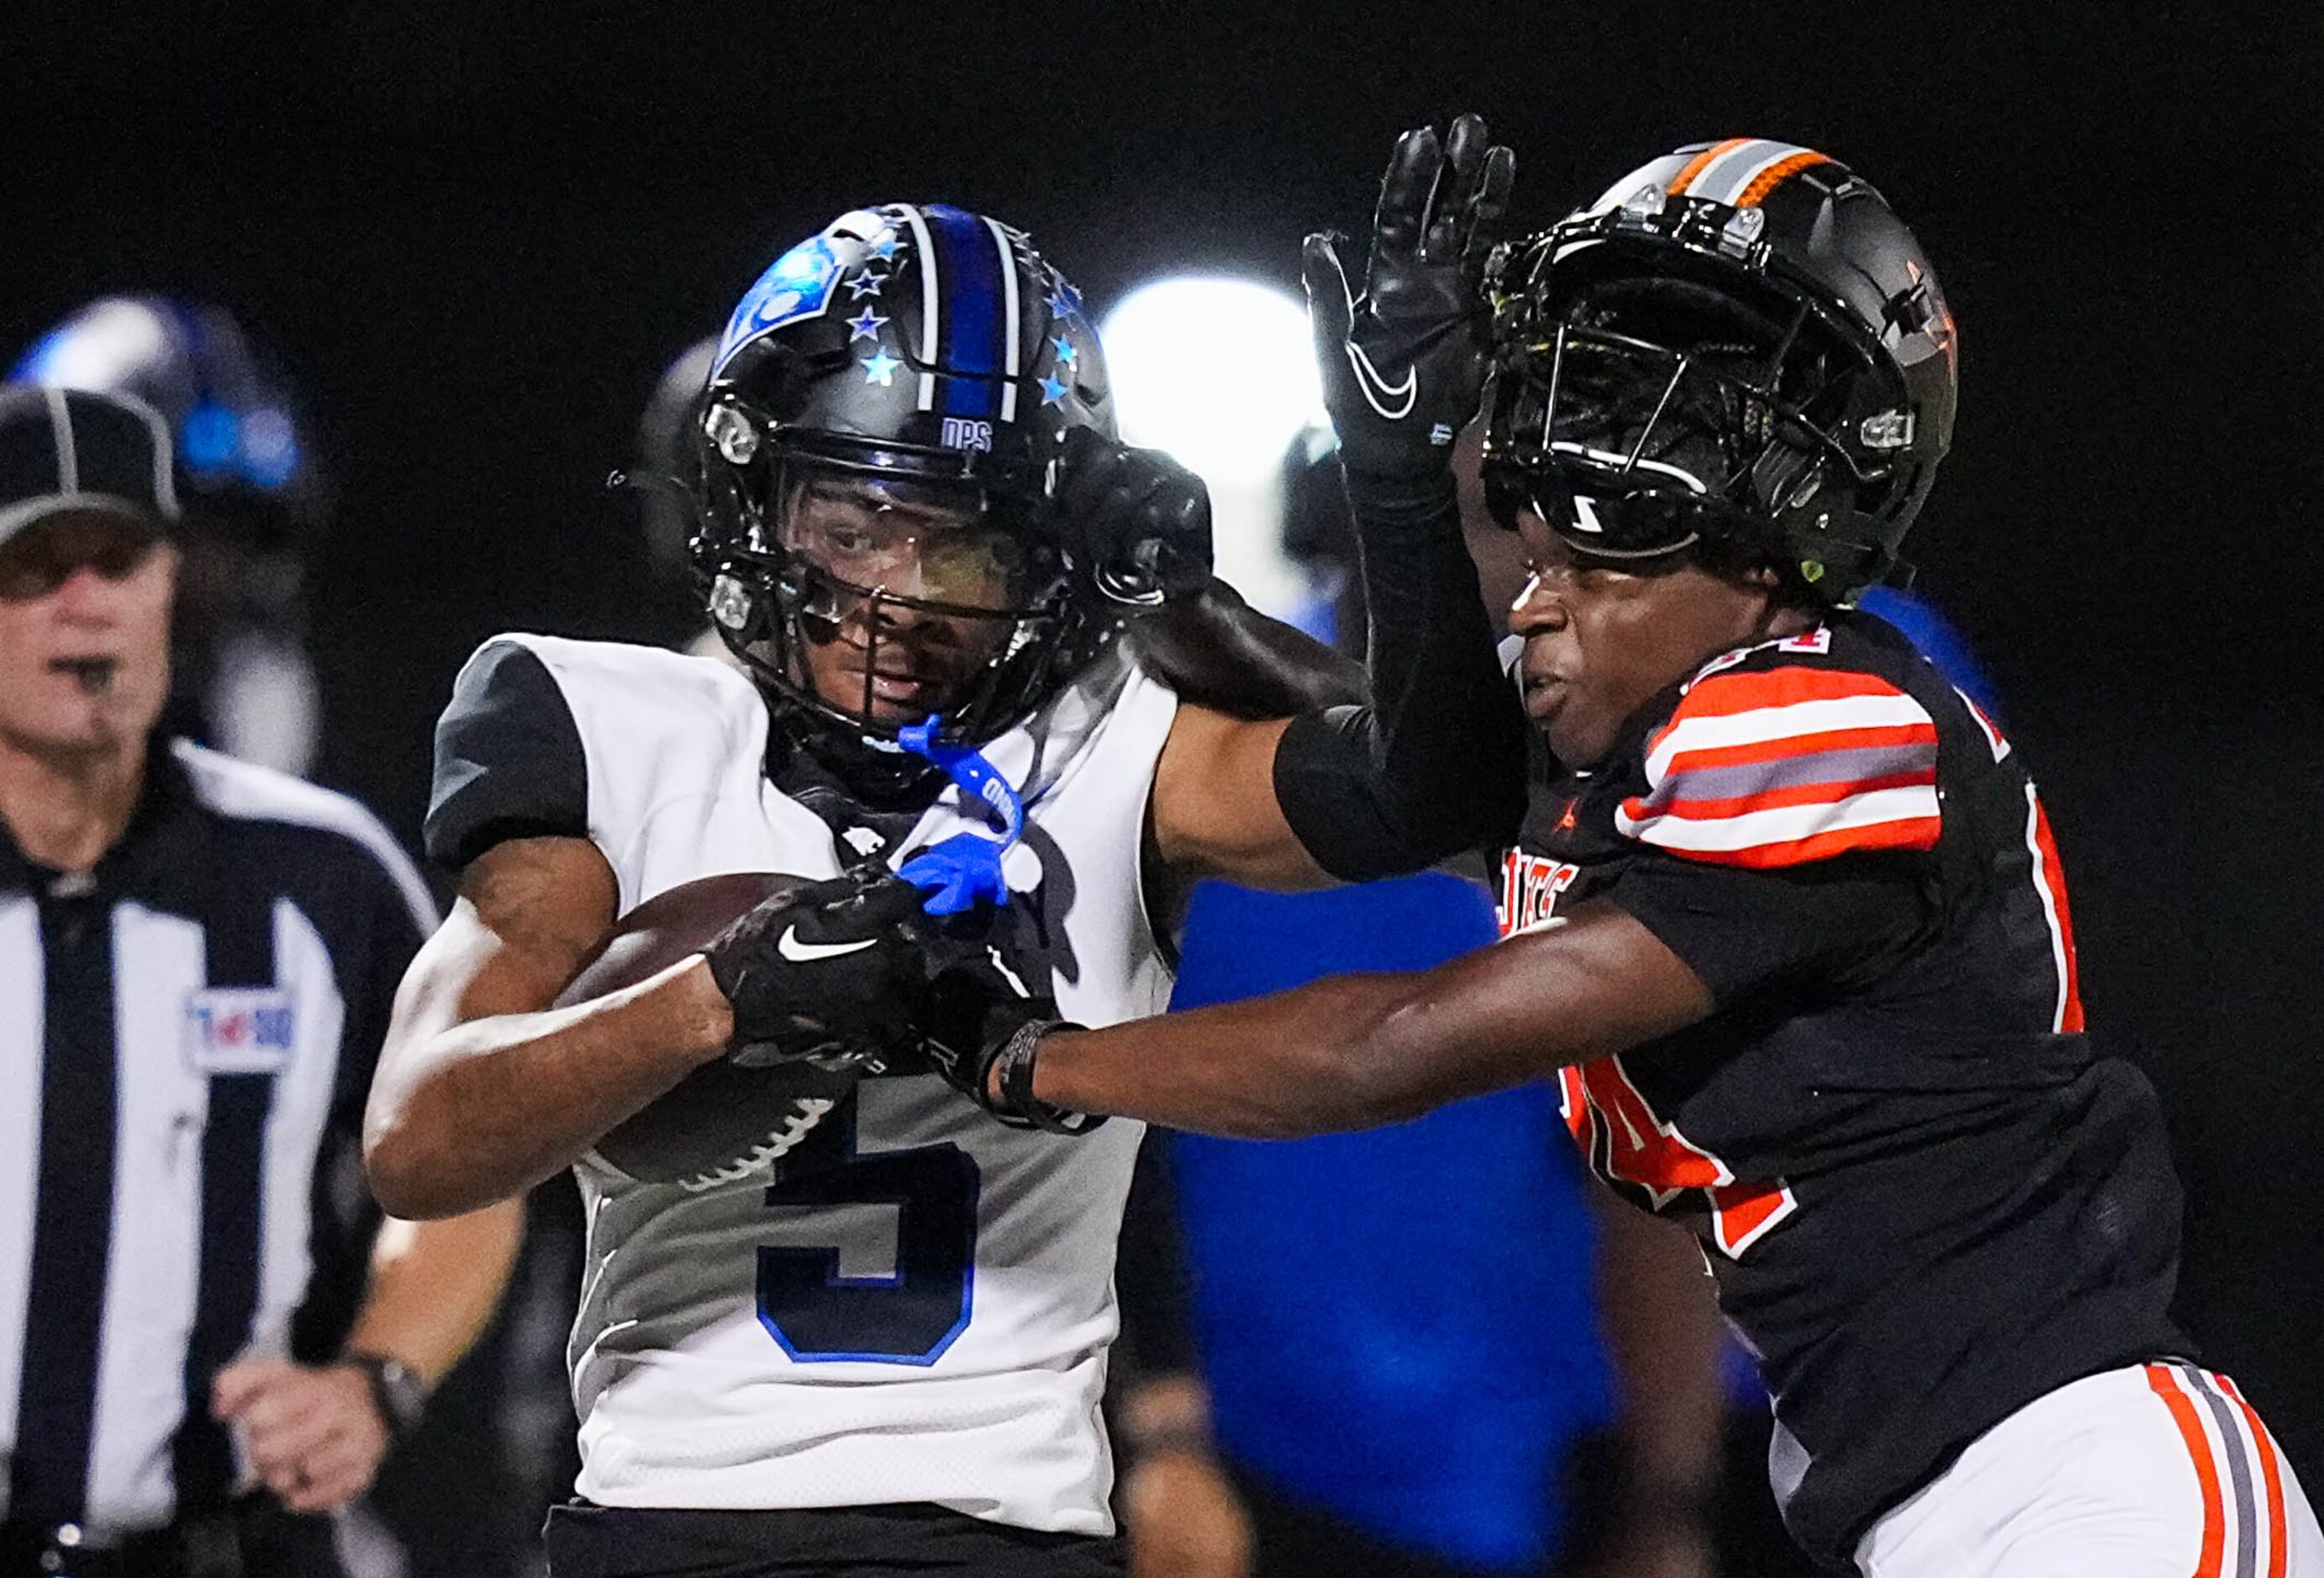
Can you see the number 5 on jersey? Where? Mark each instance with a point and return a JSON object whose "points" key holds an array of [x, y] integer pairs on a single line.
{"points": [[880, 1263]]}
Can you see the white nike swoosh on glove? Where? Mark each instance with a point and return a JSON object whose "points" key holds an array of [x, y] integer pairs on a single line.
{"points": [[1368, 378], [799, 952]]}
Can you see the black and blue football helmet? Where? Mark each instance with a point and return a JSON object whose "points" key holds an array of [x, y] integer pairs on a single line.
{"points": [[1739, 344], [914, 347], [242, 438], [257, 503]]}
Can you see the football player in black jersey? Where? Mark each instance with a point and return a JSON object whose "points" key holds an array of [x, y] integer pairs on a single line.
{"points": [[1784, 918]]}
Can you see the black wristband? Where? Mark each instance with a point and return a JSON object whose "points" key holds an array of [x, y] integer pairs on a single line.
{"points": [[1191, 1439], [396, 1389], [1009, 1068]]}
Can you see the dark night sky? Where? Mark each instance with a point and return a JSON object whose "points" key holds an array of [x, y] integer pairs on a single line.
{"points": [[478, 230]]}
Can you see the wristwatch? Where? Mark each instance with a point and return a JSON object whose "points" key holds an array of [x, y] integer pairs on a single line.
{"points": [[396, 1389]]}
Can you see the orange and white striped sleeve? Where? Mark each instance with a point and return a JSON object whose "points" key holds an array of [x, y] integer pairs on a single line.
{"points": [[1789, 766]]}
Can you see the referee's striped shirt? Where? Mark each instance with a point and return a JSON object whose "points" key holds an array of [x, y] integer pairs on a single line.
{"points": [[187, 1035]]}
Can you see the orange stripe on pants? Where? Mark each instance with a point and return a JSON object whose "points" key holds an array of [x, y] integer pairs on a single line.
{"points": [[2207, 1472], [2277, 1557]]}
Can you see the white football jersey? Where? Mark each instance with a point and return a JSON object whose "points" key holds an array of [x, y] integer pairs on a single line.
{"points": [[915, 1304]]}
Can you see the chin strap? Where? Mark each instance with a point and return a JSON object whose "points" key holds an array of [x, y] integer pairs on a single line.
{"points": [[964, 869]]}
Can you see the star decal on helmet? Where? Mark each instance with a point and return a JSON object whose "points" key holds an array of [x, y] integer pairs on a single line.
{"points": [[865, 326], [1067, 355], [1064, 300], [866, 283], [1053, 390], [885, 248], [879, 368]]}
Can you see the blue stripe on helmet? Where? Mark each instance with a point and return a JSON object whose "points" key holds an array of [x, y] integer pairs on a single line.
{"points": [[969, 350]]}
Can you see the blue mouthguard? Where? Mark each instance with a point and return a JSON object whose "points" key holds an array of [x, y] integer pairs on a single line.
{"points": [[964, 869]]}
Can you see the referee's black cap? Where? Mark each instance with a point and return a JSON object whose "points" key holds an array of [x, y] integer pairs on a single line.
{"points": [[68, 450]]}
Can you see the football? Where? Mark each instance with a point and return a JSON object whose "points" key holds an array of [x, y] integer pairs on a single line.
{"points": [[721, 1123]]}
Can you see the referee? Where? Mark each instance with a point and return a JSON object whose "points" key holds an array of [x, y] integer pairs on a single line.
{"points": [[204, 1345]]}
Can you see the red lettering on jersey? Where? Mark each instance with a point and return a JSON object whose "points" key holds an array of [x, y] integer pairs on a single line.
{"points": [[1643, 1149], [1573, 1106], [1529, 889]]}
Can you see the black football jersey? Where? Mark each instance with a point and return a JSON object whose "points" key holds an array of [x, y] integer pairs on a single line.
{"points": [[1925, 1197]]}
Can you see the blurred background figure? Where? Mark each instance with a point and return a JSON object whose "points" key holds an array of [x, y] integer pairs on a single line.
{"points": [[1928, 628], [211, 1343], [255, 502]]}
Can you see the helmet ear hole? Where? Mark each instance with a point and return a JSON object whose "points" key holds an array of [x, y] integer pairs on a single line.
{"points": [[790, 589]]}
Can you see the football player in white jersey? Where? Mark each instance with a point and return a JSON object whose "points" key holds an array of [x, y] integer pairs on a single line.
{"points": [[882, 1348]]}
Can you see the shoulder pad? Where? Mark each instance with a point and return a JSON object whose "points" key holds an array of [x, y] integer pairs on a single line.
{"points": [[1769, 763], [509, 762]]}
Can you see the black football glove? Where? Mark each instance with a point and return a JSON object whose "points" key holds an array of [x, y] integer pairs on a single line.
{"points": [[1404, 365], [980, 1025], [1135, 522], [829, 971]]}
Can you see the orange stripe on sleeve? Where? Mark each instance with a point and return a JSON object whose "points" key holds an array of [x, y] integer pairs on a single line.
{"points": [[2277, 1557], [1775, 175], [1721, 694], [2207, 1472], [1694, 167]]}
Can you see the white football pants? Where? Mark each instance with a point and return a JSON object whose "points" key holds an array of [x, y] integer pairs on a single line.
{"points": [[2153, 1471]]}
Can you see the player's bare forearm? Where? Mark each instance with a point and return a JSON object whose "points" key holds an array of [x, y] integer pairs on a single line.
{"points": [[434, 1285], [1353, 1052], [484, 1090], [481, 1110]]}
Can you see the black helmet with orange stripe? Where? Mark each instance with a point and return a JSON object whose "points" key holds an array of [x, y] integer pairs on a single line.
{"points": [[1738, 344]]}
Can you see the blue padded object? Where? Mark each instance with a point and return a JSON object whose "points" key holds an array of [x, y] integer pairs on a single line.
{"points": [[1937, 640], [964, 869], [1397, 1325]]}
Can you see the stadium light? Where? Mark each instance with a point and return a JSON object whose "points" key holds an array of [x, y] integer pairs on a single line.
{"points": [[1220, 373]]}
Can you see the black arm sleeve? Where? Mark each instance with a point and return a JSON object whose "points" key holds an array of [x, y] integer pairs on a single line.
{"points": [[1436, 763], [508, 763]]}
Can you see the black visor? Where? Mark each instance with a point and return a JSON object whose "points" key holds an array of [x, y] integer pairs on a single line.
{"points": [[1614, 525]]}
